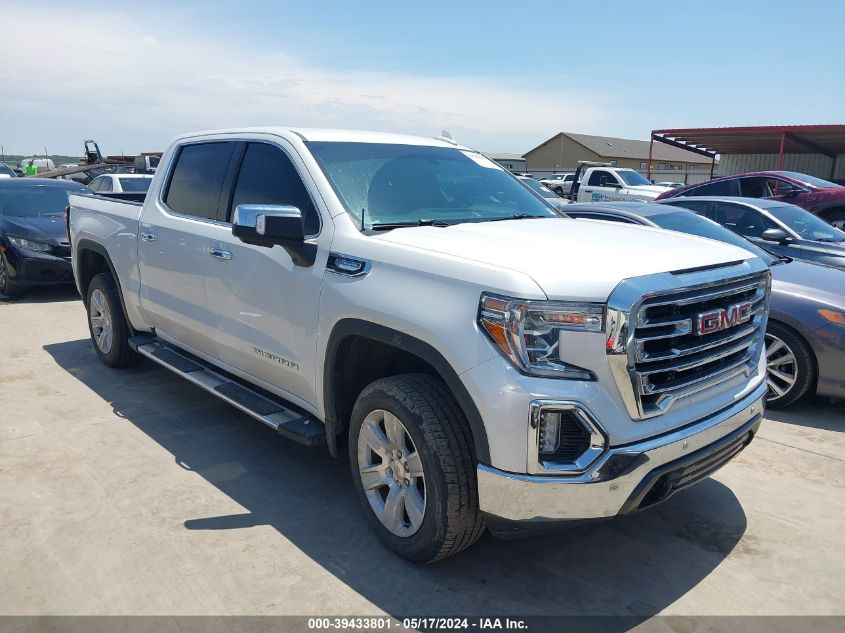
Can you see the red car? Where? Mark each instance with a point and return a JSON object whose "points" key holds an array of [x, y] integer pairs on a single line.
{"points": [[819, 197]]}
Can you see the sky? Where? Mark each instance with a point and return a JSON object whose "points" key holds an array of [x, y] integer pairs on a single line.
{"points": [[499, 76]]}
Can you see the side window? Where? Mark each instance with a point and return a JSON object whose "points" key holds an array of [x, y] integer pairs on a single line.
{"points": [[718, 188], [267, 176], [783, 187], [197, 179], [743, 220], [699, 207], [755, 187], [94, 185], [599, 177], [601, 216], [106, 185]]}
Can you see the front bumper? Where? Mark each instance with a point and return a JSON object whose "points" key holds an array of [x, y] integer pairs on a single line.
{"points": [[629, 477], [27, 268]]}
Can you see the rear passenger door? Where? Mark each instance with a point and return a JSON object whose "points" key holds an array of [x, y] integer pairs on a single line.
{"points": [[179, 228], [266, 307]]}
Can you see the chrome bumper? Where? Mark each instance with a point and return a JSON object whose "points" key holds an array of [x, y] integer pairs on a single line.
{"points": [[629, 477]]}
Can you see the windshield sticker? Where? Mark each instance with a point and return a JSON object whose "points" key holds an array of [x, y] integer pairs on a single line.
{"points": [[479, 159]]}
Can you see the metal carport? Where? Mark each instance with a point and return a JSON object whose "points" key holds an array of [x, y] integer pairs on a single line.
{"points": [[778, 140]]}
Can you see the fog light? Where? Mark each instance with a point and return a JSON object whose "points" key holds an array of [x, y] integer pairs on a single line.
{"points": [[549, 432]]}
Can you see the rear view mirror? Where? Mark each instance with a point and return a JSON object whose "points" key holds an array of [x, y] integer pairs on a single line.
{"points": [[775, 235], [267, 225]]}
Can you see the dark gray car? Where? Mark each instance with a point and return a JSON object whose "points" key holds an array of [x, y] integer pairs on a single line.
{"points": [[780, 228], [805, 336]]}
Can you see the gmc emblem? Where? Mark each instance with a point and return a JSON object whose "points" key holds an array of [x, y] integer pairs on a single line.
{"points": [[722, 319]]}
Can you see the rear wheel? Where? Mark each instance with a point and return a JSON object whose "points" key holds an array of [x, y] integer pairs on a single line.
{"points": [[411, 457], [107, 323], [559, 191], [790, 365]]}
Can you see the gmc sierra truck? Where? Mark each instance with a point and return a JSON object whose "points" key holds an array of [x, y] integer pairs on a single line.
{"points": [[481, 360]]}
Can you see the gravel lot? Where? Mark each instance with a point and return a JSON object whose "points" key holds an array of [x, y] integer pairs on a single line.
{"points": [[133, 492]]}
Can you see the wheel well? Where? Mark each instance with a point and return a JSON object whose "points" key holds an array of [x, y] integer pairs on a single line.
{"points": [[360, 352], [359, 361], [90, 263]]}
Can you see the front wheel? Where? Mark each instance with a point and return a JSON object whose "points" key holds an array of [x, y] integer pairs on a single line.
{"points": [[411, 456], [6, 286], [790, 365], [107, 323]]}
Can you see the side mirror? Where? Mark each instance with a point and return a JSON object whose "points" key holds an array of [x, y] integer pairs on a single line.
{"points": [[267, 225], [775, 235]]}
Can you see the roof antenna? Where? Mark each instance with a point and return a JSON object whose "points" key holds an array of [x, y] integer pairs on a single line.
{"points": [[446, 134]]}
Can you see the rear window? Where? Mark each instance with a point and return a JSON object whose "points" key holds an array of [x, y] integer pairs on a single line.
{"points": [[197, 179], [34, 202], [135, 184]]}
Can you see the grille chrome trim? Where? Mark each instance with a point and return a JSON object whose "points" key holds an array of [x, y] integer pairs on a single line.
{"points": [[597, 439], [655, 355]]}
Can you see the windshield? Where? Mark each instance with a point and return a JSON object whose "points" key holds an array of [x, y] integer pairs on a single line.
{"points": [[806, 224], [689, 222], [405, 184], [135, 184], [34, 202], [810, 180], [536, 186], [632, 178]]}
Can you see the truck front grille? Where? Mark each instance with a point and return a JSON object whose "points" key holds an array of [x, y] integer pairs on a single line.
{"points": [[683, 341]]}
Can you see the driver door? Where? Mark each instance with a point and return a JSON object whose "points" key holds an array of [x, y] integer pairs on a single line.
{"points": [[600, 187]]}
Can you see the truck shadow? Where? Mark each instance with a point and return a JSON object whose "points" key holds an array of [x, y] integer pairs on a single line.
{"points": [[633, 566]]}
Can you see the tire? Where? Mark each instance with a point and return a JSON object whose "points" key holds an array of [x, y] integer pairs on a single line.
{"points": [[836, 218], [433, 428], [107, 323], [6, 286], [790, 365], [559, 191]]}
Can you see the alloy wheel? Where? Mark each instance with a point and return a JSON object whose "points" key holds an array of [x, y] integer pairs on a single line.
{"points": [[391, 473], [781, 367], [99, 316]]}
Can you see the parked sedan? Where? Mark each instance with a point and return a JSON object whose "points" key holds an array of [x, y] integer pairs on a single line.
{"points": [[121, 183], [552, 198], [780, 228], [820, 197], [805, 335], [33, 242]]}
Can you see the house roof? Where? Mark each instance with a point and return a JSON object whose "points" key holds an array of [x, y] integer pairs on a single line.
{"points": [[503, 156], [610, 147]]}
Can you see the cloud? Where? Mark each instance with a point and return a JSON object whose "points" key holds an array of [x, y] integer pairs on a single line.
{"points": [[70, 75]]}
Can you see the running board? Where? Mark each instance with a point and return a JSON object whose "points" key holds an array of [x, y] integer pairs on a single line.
{"points": [[275, 413]]}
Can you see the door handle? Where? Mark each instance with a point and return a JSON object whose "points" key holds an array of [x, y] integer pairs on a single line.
{"points": [[149, 237], [218, 254]]}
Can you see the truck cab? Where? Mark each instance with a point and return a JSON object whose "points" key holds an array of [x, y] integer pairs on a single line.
{"points": [[602, 182]]}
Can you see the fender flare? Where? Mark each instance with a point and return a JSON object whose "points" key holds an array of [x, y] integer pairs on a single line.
{"points": [[90, 245], [405, 342]]}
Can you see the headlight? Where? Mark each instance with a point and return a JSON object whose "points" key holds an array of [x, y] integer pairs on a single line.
{"points": [[833, 316], [30, 245], [528, 332]]}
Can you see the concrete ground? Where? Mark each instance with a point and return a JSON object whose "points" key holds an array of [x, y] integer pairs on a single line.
{"points": [[133, 492]]}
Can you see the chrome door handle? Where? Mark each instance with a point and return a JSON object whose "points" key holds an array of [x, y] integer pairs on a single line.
{"points": [[149, 237], [218, 254]]}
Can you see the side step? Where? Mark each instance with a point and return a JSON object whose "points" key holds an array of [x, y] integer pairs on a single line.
{"points": [[288, 421]]}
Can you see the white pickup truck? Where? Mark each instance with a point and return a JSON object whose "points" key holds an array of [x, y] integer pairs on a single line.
{"points": [[480, 359], [604, 183]]}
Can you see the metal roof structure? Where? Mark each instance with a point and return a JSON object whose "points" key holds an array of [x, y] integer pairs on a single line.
{"points": [[827, 140]]}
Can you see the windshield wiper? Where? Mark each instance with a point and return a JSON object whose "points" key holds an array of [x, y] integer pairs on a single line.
{"points": [[518, 216], [388, 226]]}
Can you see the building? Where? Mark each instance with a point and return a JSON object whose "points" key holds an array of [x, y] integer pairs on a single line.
{"points": [[817, 150], [563, 151], [512, 162]]}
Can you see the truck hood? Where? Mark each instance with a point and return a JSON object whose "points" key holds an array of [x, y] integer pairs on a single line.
{"points": [[570, 259]]}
